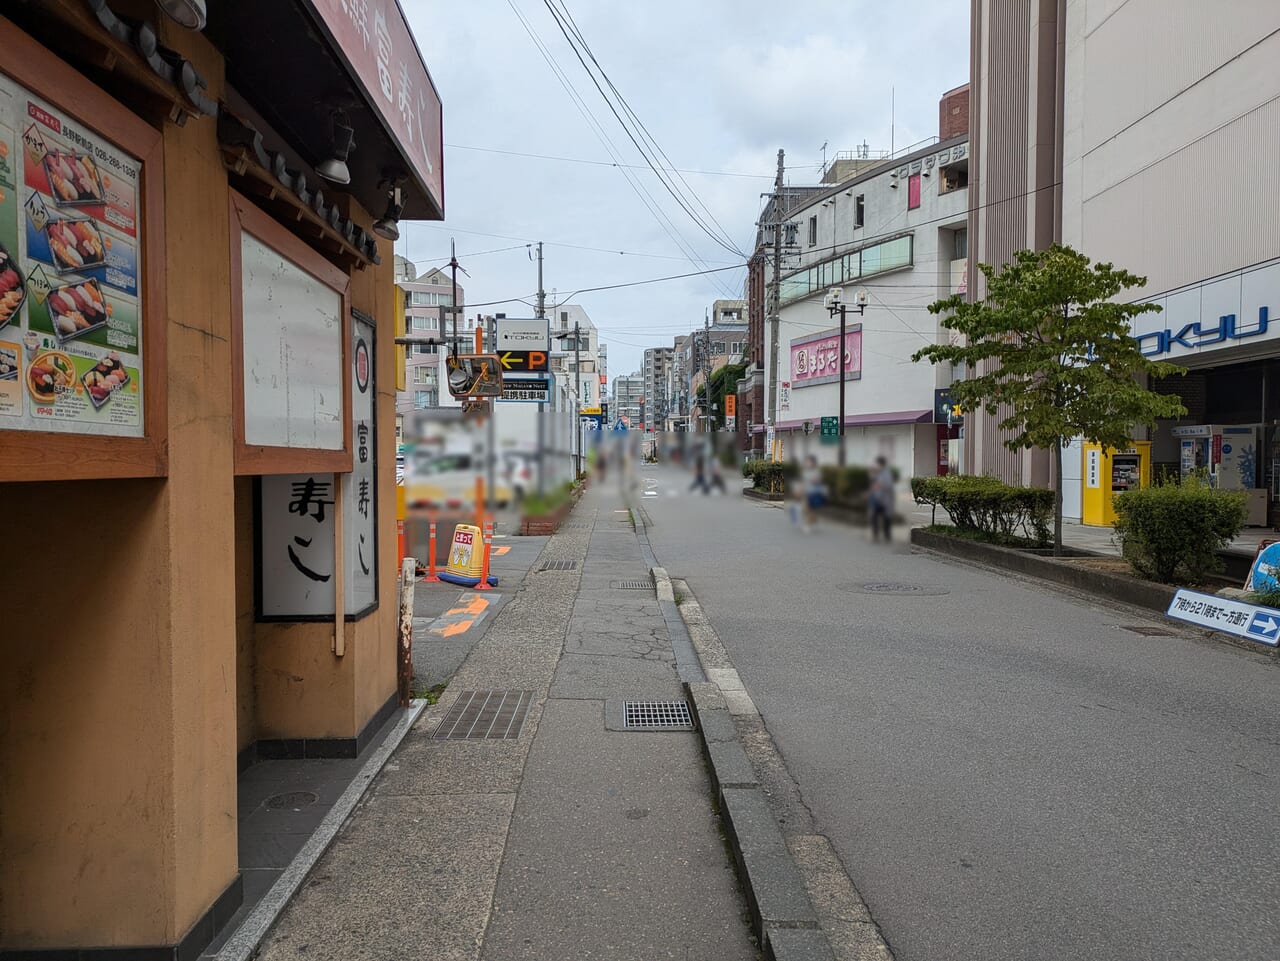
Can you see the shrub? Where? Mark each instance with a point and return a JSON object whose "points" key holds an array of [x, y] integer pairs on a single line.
{"points": [[766, 475], [848, 485], [984, 504], [1175, 531]]}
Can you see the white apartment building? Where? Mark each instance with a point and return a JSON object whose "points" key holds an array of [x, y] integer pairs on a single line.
{"points": [[585, 382], [424, 298], [899, 232]]}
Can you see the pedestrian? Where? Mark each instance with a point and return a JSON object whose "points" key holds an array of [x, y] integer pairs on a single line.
{"points": [[717, 479], [881, 501], [700, 475], [601, 463], [815, 492]]}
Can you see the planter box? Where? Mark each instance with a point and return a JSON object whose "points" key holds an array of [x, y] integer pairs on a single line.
{"points": [[544, 525], [762, 495]]}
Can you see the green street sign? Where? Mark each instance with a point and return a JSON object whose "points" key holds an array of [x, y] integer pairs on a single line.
{"points": [[830, 430]]}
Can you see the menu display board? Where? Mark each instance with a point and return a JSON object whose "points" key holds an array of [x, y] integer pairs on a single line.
{"points": [[70, 303]]}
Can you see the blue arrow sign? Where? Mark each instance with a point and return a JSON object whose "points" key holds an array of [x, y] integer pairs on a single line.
{"points": [[1264, 627]]}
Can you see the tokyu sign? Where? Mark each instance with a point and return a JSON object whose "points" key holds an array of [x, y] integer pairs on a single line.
{"points": [[1228, 311]]}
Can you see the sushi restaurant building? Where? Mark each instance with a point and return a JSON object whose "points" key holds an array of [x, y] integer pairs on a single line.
{"points": [[197, 392]]}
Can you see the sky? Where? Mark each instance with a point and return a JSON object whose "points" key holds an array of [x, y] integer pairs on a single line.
{"points": [[720, 85]]}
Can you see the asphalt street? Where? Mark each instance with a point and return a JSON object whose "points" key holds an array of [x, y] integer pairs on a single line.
{"points": [[1006, 771]]}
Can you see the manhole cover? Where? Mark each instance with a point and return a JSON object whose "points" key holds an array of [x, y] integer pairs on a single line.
{"points": [[1148, 630], [560, 566], [656, 716], [492, 715], [291, 801], [909, 590], [633, 585]]}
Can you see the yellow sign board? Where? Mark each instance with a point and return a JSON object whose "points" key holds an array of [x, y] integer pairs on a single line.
{"points": [[588, 411]]}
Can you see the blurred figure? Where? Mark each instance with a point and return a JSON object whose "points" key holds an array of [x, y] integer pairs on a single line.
{"points": [[815, 494], [717, 479], [700, 475], [602, 463], [881, 500]]}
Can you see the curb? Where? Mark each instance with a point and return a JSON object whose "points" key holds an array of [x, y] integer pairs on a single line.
{"points": [[246, 939], [1153, 597]]}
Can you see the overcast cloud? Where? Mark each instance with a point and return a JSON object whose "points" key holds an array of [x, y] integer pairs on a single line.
{"points": [[718, 85]]}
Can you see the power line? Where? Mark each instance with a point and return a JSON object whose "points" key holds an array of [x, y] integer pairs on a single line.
{"points": [[578, 53], [643, 129], [603, 163], [637, 187], [525, 241]]}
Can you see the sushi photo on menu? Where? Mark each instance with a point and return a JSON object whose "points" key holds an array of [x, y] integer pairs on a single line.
{"points": [[12, 290]]}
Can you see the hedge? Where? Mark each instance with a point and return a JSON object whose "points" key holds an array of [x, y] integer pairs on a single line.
{"points": [[848, 485], [1174, 531], [1000, 511], [771, 476]]}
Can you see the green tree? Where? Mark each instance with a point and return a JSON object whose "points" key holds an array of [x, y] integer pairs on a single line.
{"points": [[724, 380], [1050, 351]]}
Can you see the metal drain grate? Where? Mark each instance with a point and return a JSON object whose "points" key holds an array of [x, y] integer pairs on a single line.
{"points": [[492, 715], [907, 590], [577, 525], [560, 566], [633, 585], [656, 716], [1148, 630]]}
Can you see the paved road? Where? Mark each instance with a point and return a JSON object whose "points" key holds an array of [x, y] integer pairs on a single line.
{"points": [[1006, 773]]}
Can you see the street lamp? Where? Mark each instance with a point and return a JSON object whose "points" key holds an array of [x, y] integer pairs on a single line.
{"points": [[833, 304]]}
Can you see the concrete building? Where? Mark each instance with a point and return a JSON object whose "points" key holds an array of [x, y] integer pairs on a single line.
{"points": [[585, 383], [1169, 146], [424, 298], [237, 414], [899, 232], [1015, 108], [658, 363], [627, 403]]}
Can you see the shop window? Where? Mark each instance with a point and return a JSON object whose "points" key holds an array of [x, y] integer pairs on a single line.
{"points": [[913, 191]]}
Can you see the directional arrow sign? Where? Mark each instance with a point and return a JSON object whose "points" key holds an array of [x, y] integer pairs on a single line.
{"points": [[1225, 614], [1264, 628], [533, 361]]}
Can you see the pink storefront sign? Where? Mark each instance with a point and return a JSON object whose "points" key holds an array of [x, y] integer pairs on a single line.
{"points": [[816, 359]]}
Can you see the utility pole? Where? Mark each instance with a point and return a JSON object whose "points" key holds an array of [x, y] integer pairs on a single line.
{"points": [[453, 269], [706, 367], [775, 298], [577, 388], [542, 408]]}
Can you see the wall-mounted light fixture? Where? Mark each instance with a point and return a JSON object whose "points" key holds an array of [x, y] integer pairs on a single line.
{"points": [[334, 168], [189, 13], [388, 227]]}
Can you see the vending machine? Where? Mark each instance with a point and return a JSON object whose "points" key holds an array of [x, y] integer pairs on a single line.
{"points": [[1110, 472]]}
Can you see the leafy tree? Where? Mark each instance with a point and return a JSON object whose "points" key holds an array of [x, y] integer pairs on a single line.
{"points": [[1050, 351], [724, 380]]}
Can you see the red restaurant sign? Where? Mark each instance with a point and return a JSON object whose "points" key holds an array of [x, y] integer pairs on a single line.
{"points": [[374, 39]]}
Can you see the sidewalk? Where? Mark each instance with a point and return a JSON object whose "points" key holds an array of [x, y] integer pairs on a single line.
{"points": [[570, 837]]}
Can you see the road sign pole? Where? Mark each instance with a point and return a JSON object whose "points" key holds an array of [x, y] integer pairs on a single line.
{"points": [[842, 366]]}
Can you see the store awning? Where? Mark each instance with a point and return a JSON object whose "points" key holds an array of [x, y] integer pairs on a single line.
{"points": [[296, 61], [870, 420]]}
